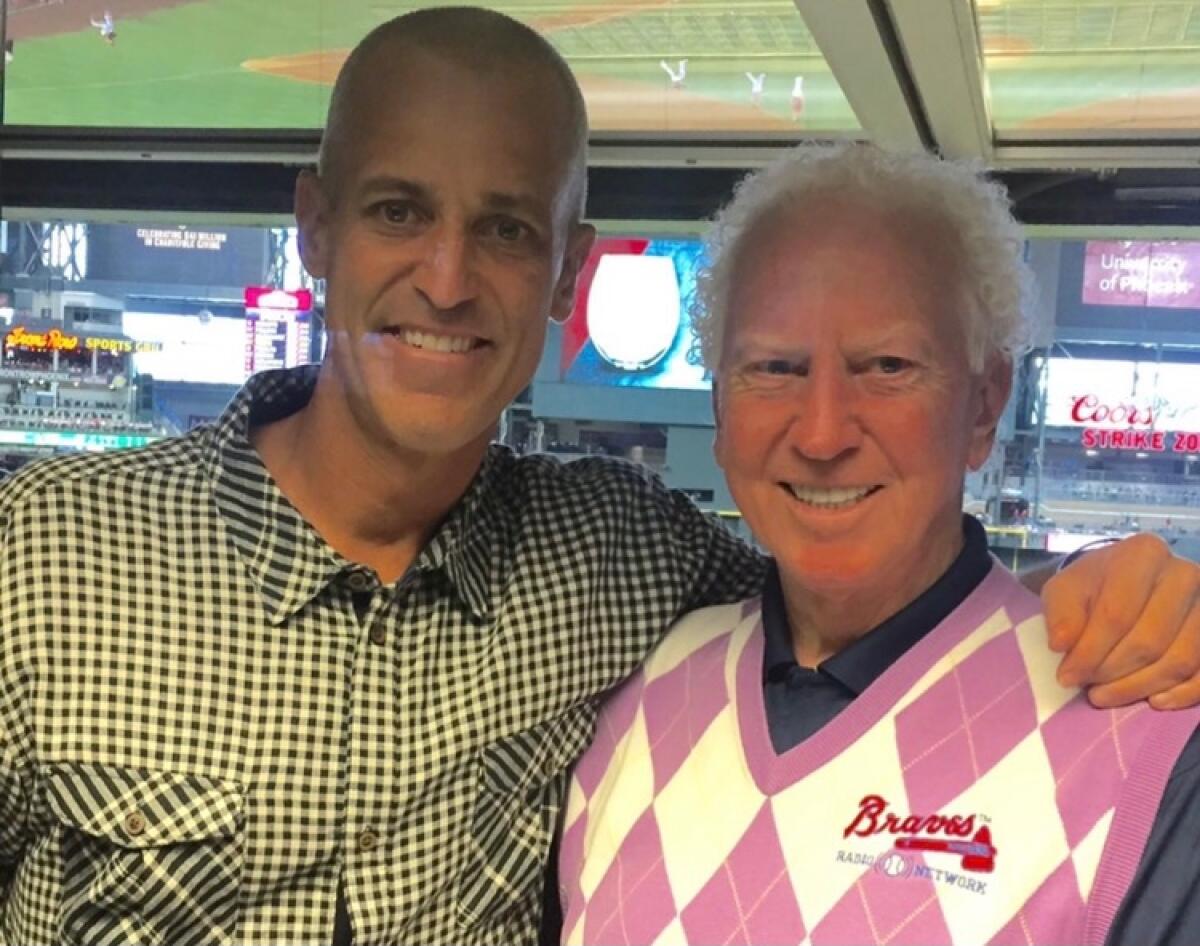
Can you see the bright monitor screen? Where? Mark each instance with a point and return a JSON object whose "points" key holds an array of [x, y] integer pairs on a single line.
{"points": [[213, 349], [631, 326], [202, 350]]}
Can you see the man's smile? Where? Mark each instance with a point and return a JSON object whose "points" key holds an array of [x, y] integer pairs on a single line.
{"points": [[435, 341], [842, 497]]}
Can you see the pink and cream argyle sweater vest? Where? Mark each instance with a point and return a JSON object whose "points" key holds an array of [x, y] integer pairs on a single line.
{"points": [[965, 797]]}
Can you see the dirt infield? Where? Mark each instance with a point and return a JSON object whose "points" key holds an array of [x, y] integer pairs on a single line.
{"points": [[53, 17], [1162, 112], [320, 66], [1006, 46], [612, 104]]}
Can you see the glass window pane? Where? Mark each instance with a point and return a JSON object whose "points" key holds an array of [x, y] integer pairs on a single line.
{"points": [[1063, 66], [645, 66]]}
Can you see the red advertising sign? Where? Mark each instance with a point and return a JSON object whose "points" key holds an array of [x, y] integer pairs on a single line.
{"points": [[1143, 441], [265, 297], [1163, 274]]}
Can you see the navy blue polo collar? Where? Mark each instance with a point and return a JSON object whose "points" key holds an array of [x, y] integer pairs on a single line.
{"points": [[860, 664]]}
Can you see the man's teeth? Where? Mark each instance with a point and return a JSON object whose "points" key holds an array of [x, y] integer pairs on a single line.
{"points": [[444, 343], [830, 498]]}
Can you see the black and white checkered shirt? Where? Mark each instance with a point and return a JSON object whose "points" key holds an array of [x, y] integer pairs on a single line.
{"points": [[208, 716]]}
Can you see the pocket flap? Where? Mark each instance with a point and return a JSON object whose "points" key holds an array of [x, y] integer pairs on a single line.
{"points": [[139, 808], [523, 762], [521, 782]]}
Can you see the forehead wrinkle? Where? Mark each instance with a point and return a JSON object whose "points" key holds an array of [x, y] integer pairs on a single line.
{"points": [[515, 200], [780, 332], [391, 184]]}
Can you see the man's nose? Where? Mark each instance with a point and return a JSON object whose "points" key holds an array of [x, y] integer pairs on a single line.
{"points": [[827, 422], [446, 275]]}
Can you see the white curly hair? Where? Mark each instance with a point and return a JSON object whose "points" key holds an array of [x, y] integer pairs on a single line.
{"points": [[995, 282]]}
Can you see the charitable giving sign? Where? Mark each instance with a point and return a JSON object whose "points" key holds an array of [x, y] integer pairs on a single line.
{"points": [[1164, 274]]}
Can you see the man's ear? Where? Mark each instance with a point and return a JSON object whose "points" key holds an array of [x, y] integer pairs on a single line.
{"points": [[579, 245], [718, 439], [992, 388], [312, 207]]}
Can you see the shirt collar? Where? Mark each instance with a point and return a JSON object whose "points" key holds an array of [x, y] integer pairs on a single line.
{"points": [[464, 544], [858, 665], [286, 558]]}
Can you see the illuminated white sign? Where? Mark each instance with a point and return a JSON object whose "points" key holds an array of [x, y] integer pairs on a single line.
{"points": [[73, 440], [206, 351], [1118, 395], [181, 239], [634, 309], [1126, 405]]}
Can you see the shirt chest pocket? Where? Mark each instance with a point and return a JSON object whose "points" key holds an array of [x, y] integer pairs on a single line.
{"points": [[521, 780], [147, 857]]}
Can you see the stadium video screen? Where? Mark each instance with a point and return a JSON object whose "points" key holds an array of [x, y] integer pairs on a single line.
{"points": [[208, 350], [214, 349], [177, 255], [631, 326]]}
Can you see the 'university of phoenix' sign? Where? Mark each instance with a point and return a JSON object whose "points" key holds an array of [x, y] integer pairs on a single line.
{"points": [[1163, 274]]}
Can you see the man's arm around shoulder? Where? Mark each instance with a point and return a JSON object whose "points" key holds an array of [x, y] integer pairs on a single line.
{"points": [[706, 562], [718, 567]]}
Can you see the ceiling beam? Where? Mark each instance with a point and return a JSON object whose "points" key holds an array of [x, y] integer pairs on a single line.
{"points": [[861, 52], [941, 45]]}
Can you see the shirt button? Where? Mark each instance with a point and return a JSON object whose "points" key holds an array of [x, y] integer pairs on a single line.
{"points": [[368, 840], [358, 581], [378, 634], [135, 824]]}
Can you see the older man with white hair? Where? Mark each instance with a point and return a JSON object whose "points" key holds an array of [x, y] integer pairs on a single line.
{"points": [[876, 750]]}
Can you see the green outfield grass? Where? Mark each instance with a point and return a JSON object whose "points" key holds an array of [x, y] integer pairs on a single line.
{"points": [[182, 67], [1036, 86]]}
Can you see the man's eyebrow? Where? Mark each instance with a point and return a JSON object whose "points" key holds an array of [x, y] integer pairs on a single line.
{"points": [[522, 202], [921, 337], [767, 346], [387, 184]]}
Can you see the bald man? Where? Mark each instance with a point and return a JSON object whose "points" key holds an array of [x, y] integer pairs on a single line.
{"points": [[315, 673]]}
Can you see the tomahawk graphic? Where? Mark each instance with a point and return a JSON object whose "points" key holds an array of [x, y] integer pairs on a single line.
{"points": [[977, 854]]}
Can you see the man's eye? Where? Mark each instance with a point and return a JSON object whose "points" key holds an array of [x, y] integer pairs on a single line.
{"points": [[776, 366], [396, 212], [509, 230], [891, 364]]}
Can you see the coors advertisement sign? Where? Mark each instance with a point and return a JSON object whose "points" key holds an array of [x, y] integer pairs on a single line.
{"points": [[1164, 275], [1126, 405]]}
